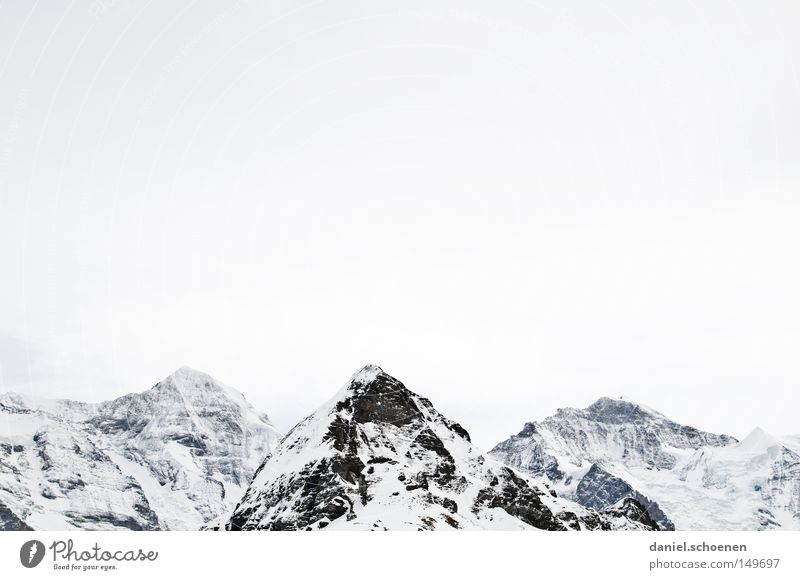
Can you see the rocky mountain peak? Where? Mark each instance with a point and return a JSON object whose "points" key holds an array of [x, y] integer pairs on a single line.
{"points": [[378, 456], [608, 410], [366, 374], [373, 396]]}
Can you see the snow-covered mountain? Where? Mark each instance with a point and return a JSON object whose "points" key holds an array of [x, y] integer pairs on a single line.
{"points": [[377, 456], [173, 457], [191, 453], [686, 479]]}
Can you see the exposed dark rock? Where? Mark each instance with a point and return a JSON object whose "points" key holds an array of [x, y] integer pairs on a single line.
{"points": [[515, 496], [632, 509], [10, 522], [601, 490]]}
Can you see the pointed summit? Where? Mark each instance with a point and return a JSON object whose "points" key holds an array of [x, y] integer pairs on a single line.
{"points": [[360, 381], [758, 441], [196, 431], [187, 370], [196, 389], [187, 377], [366, 373], [373, 396], [620, 410]]}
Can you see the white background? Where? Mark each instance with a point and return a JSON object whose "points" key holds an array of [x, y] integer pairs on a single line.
{"points": [[488, 555], [511, 206]]}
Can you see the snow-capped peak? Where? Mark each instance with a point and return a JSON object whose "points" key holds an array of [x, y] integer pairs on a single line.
{"points": [[685, 477], [366, 374], [378, 456], [172, 457], [758, 441], [186, 374], [370, 382], [618, 410], [187, 379]]}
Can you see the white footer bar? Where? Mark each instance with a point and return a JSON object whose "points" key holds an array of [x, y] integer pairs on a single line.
{"points": [[335, 555]]}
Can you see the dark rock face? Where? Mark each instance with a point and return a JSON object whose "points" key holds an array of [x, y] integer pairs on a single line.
{"points": [[600, 490], [322, 495], [10, 522], [382, 399], [515, 496], [632, 509], [378, 456]]}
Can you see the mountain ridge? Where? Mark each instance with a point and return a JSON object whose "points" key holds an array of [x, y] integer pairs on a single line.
{"points": [[681, 475]]}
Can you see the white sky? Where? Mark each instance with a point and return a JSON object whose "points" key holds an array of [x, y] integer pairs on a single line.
{"points": [[510, 206]]}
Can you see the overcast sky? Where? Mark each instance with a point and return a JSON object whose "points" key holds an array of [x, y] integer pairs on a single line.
{"points": [[510, 206]]}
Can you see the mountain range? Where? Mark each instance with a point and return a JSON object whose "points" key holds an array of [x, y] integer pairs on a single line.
{"points": [[687, 479], [191, 453]]}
